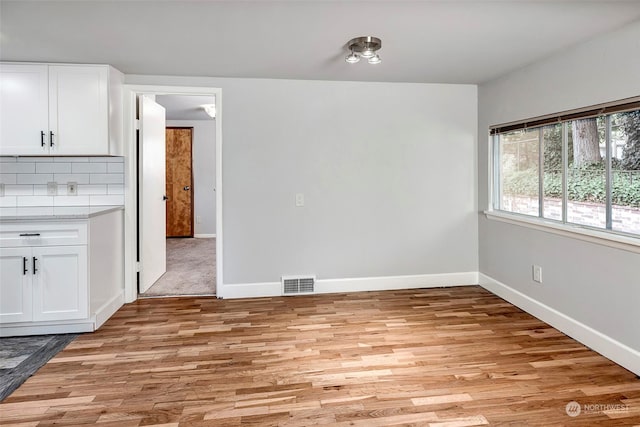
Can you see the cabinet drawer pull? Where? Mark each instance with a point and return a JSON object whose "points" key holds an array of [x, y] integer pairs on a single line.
{"points": [[51, 139], [42, 138], [35, 270], [24, 266], [29, 234]]}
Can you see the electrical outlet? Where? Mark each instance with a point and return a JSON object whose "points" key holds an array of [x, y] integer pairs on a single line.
{"points": [[299, 200], [1, 189], [537, 273], [52, 188], [198, 219], [72, 188]]}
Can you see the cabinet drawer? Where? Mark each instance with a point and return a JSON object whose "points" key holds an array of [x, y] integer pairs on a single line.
{"points": [[43, 234]]}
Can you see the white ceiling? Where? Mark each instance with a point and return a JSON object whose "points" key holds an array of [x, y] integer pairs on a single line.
{"points": [[450, 41], [185, 107]]}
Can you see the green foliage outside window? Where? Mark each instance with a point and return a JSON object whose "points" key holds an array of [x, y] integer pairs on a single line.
{"points": [[584, 185]]}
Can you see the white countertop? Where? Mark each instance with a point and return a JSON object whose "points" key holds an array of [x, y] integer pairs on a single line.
{"points": [[54, 212]]}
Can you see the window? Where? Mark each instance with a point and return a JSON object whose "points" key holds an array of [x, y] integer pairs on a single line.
{"points": [[519, 171], [578, 168]]}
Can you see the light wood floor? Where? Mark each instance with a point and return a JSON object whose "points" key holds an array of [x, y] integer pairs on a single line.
{"points": [[446, 357]]}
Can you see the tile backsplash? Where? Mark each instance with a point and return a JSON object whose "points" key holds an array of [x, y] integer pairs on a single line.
{"points": [[100, 181]]}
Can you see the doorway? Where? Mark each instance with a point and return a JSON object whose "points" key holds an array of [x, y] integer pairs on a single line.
{"points": [[211, 254], [190, 262]]}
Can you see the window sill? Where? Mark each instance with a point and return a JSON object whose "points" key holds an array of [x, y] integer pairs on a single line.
{"points": [[619, 241]]}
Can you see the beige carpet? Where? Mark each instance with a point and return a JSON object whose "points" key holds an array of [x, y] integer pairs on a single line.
{"points": [[191, 268]]}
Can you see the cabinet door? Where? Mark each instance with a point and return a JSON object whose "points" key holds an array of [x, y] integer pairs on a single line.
{"points": [[15, 285], [24, 109], [60, 288], [79, 109]]}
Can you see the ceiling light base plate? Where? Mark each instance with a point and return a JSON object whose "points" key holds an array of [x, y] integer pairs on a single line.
{"points": [[365, 47], [361, 44]]}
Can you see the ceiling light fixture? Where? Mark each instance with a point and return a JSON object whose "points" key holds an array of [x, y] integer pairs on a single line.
{"points": [[210, 109], [366, 47]]}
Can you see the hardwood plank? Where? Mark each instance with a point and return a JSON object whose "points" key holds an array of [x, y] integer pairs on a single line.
{"points": [[447, 398], [450, 357]]}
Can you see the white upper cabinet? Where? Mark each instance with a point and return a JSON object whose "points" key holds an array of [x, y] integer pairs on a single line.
{"points": [[24, 109], [60, 110], [78, 110]]}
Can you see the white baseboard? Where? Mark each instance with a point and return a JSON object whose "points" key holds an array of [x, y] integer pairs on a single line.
{"points": [[360, 284], [108, 309], [68, 327], [204, 236], [603, 344]]}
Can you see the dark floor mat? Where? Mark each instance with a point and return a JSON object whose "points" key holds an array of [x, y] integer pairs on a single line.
{"points": [[21, 357]]}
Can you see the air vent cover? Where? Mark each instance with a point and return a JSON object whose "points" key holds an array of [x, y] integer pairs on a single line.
{"points": [[296, 285]]}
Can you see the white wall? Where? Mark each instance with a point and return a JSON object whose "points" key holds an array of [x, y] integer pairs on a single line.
{"points": [[204, 172], [388, 172], [595, 285]]}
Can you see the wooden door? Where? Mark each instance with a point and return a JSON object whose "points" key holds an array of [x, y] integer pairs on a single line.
{"points": [[179, 182]]}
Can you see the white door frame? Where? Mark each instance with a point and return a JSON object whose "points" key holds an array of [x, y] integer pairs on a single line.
{"points": [[131, 178]]}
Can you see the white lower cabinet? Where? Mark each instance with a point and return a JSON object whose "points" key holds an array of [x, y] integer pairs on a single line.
{"points": [[60, 290], [16, 285], [43, 283], [46, 282]]}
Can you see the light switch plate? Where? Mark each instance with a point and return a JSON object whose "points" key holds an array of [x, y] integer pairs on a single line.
{"points": [[52, 188], [299, 200], [537, 273]]}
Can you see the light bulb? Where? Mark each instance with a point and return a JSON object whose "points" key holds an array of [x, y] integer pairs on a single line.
{"points": [[375, 59], [367, 52], [352, 58]]}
